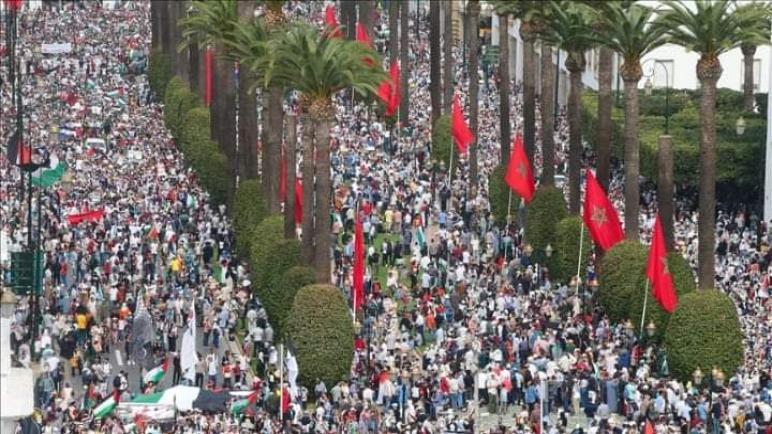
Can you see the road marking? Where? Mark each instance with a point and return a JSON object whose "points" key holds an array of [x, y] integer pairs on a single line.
{"points": [[118, 358]]}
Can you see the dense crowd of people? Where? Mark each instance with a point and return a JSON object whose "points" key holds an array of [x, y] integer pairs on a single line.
{"points": [[460, 328]]}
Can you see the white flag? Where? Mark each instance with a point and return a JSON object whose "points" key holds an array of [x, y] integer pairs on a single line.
{"points": [[188, 357]]}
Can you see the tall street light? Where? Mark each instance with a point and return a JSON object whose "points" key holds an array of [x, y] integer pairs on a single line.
{"points": [[649, 86]]}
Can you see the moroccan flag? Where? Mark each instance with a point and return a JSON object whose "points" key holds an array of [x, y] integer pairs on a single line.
{"points": [[388, 90], [156, 374], [332, 22], [519, 175], [600, 216], [239, 406], [462, 135], [298, 201], [359, 265], [362, 36], [86, 216], [14, 5], [208, 72], [18, 153], [657, 271]]}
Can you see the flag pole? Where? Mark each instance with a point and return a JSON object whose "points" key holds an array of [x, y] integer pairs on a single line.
{"points": [[579, 260], [281, 383], [509, 208], [645, 301]]}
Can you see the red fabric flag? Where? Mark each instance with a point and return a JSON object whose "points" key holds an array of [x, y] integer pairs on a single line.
{"points": [[462, 135], [658, 273], [283, 177], [332, 22], [87, 216], [600, 216], [359, 265], [519, 175], [388, 90], [648, 428], [298, 201], [362, 36], [14, 5], [208, 71]]}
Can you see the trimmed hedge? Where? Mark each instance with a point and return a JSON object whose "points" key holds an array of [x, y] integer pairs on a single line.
{"points": [[320, 328], [442, 142], [265, 237], [547, 208], [684, 282], [277, 299], [178, 101], [621, 278], [248, 211], [566, 248], [214, 174], [704, 332], [498, 195], [159, 73]]}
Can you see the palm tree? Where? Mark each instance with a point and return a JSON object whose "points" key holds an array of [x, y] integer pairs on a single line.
{"points": [[393, 30], [505, 123], [318, 67], [474, 84], [570, 29], [435, 73], [527, 12], [290, 151], [632, 33], [404, 65], [209, 24], [247, 152], [748, 50], [710, 28], [547, 116], [447, 58]]}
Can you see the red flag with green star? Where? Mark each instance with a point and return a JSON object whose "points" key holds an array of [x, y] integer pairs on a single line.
{"points": [[519, 175], [658, 273], [600, 216]]}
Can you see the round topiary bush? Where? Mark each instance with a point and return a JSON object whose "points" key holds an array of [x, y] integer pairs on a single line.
{"points": [[248, 211], [442, 142], [277, 299], [684, 282], [178, 101], [195, 127], [704, 332], [215, 176], [498, 195], [159, 73], [621, 278], [278, 257], [265, 237], [566, 248], [319, 326], [547, 208]]}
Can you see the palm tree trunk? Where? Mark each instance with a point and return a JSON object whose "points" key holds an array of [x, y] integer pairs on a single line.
{"points": [[706, 227], [290, 149], [163, 27], [273, 116], [435, 73], [505, 124], [194, 77], [574, 139], [183, 57], [247, 158], [322, 254], [155, 25], [349, 17], [447, 49], [404, 46], [632, 160], [393, 30], [474, 84], [172, 33], [309, 173], [547, 116], [748, 98], [665, 188], [603, 150], [529, 96], [224, 111], [366, 11]]}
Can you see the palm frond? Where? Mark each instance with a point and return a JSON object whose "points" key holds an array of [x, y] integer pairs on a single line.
{"points": [[209, 22]]}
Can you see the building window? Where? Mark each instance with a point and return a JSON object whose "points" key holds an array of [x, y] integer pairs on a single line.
{"points": [[756, 74]]}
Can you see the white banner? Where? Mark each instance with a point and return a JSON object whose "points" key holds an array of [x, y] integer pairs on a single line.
{"points": [[56, 48]]}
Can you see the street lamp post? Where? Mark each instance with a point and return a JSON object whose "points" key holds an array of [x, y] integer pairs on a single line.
{"points": [[715, 382], [649, 86]]}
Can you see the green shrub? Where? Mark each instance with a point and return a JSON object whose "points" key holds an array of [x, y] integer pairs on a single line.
{"points": [[215, 175], [621, 278], [442, 142], [159, 73], [566, 248], [704, 332], [195, 126], [248, 211], [277, 299], [320, 328], [684, 282], [265, 237], [178, 101], [498, 195], [547, 208]]}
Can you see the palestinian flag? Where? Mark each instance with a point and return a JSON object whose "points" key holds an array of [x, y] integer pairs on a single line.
{"points": [[238, 407], [156, 374], [18, 153], [49, 174], [107, 406]]}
